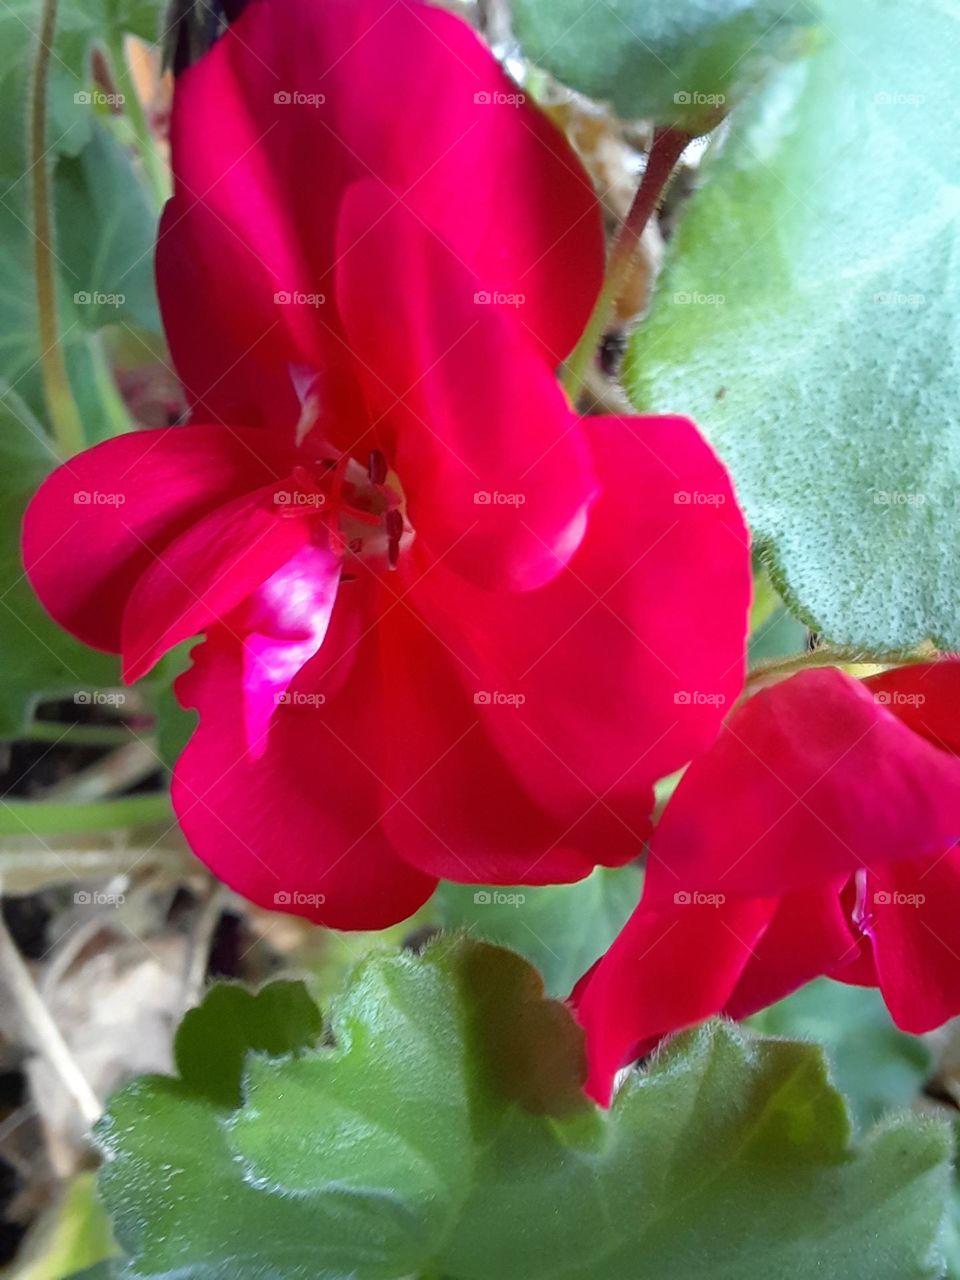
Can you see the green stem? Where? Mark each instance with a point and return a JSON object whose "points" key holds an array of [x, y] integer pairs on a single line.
{"points": [[61, 406], [114, 414], [668, 146], [833, 656], [51, 818], [158, 178], [76, 735]]}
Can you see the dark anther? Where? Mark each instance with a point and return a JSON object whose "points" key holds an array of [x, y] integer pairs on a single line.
{"points": [[377, 467], [394, 523]]}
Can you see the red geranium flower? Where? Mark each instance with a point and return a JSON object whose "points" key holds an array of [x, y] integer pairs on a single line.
{"points": [[819, 835], [451, 628]]}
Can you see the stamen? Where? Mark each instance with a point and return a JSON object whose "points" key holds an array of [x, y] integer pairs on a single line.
{"points": [[394, 524], [862, 915], [360, 508], [377, 467], [310, 410]]}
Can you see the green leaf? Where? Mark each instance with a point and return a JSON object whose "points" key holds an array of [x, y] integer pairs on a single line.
{"points": [[106, 230], [109, 1269], [174, 724], [878, 1067], [807, 318], [279, 1019], [778, 636], [440, 1129], [37, 657], [104, 259], [675, 62], [562, 929], [952, 1231]]}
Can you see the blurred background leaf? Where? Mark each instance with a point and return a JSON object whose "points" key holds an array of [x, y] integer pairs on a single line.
{"points": [[675, 62], [562, 929], [38, 658], [877, 1067]]}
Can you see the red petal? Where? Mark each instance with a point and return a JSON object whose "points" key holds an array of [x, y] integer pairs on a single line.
{"points": [[537, 231], [284, 624], [298, 828], [473, 410], [808, 936], [915, 932], [299, 99], [856, 969], [455, 807], [813, 779], [619, 684], [232, 356], [205, 573], [99, 521], [671, 966], [926, 697]]}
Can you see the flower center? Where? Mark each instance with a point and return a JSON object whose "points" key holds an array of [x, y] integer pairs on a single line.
{"points": [[362, 508]]}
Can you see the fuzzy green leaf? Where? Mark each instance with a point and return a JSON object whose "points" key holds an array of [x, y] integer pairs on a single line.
{"points": [[440, 1129], [807, 318]]}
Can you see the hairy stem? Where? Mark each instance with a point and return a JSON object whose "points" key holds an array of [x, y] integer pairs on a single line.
{"points": [[61, 406], [828, 655], [668, 146]]}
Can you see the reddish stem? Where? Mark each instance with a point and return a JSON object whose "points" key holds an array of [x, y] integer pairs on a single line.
{"points": [[668, 146]]}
